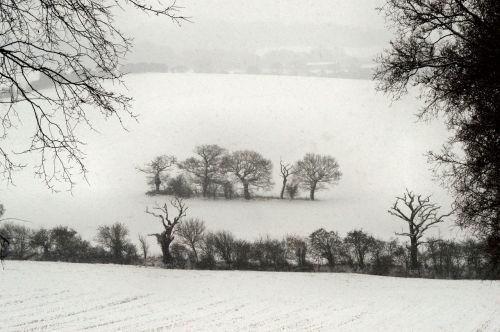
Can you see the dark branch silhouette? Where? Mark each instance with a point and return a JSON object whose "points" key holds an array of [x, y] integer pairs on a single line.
{"points": [[448, 49], [420, 214], [75, 49], [169, 223], [286, 170]]}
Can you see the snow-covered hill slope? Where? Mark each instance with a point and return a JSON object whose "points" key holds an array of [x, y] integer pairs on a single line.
{"points": [[73, 297], [379, 146]]}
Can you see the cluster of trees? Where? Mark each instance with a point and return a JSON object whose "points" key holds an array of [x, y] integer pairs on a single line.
{"points": [[214, 172], [62, 243]]}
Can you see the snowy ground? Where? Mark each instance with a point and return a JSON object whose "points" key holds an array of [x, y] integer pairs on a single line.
{"points": [[379, 146], [72, 297]]}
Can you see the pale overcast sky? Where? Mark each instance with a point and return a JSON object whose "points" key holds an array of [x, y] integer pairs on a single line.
{"points": [[250, 25], [358, 13]]}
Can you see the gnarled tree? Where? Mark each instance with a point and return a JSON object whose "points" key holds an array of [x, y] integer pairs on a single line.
{"points": [[75, 49], [169, 223], [250, 168], [420, 214], [314, 171]]}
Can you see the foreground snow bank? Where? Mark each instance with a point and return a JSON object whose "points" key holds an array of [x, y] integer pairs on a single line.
{"points": [[70, 297]]}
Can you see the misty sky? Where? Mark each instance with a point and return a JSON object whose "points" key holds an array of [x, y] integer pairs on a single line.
{"points": [[357, 13], [261, 24]]}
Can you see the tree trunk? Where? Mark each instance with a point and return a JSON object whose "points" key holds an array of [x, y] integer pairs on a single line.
{"points": [[246, 193], [361, 260], [313, 189], [205, 187], [331, 260], [45, 251], [194, 252], [301, 256], [165, 249], [283, 188], [413, 253], [157, 183], [118, 254]]}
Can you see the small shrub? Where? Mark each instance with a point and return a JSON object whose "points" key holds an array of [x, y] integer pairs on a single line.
{"points": [[179, 187]]}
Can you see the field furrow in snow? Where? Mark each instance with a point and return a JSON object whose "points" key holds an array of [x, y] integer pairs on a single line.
{"points": [[73, 297]]}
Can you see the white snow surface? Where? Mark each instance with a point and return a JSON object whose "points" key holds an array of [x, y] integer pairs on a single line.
{"points": [[53, 296], [379, 145]]}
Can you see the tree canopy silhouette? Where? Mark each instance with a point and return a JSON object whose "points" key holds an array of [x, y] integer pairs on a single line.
{"points": [[450, 50]]}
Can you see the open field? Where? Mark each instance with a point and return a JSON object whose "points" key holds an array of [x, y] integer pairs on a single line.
{"points": [[379, 146], [72, 297]]}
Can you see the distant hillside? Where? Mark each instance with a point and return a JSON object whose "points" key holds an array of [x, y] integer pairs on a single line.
{"points": [[322, 62]]}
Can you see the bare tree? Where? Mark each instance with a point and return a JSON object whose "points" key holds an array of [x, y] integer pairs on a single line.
{"points": [[224, 246], [298, 248], [15, 237], [206, 167], [420, 214], [361, 243], [19, 237], [166, 237], [115, 239], [191, 233], [286, 170], [208, 250], [76, 47], [325, 245], [144, 246], [156, 167], [42, 240], [314, 171], [250, 168]]}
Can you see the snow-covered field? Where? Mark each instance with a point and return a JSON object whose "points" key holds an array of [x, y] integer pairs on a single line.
{"points": [[379, 146], [72, 297]]}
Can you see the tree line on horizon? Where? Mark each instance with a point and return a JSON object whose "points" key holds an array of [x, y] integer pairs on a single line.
{"points": [[215, 172]]}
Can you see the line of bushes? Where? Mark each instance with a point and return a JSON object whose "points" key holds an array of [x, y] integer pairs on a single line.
{"points": [[196, 248]]}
